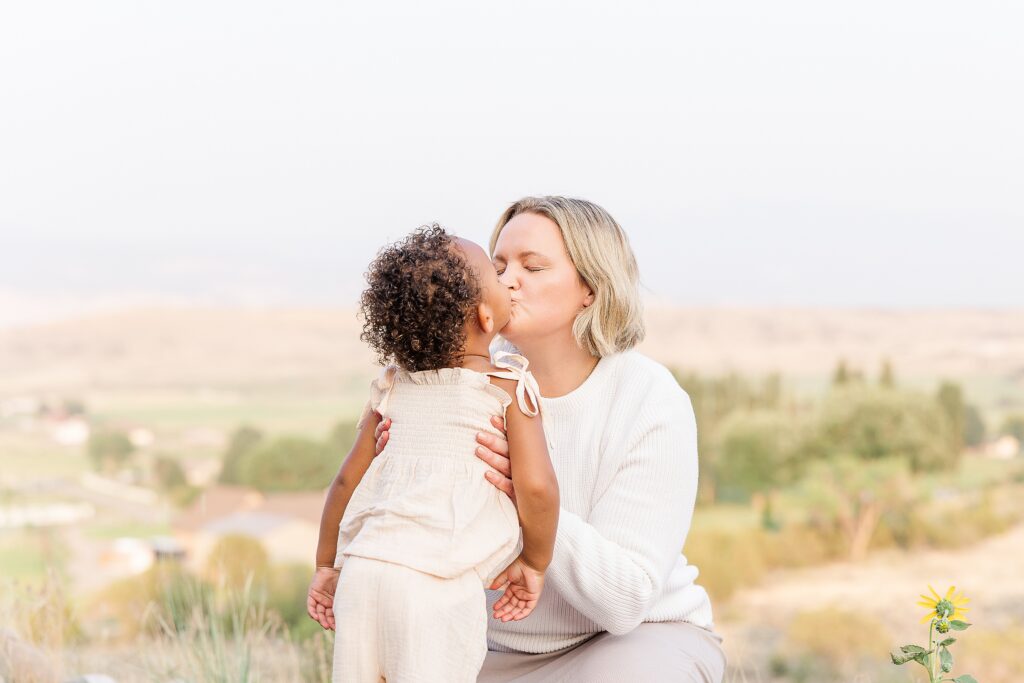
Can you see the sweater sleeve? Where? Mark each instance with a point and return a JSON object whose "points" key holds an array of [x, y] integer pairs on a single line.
{"points": [[613, 566]]}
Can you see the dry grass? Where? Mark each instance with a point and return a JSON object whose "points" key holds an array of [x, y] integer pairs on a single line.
{"points": [[221, 636]]}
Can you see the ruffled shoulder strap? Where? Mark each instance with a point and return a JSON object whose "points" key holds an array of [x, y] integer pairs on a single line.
{"points": [[527, 391], [380, 390]]}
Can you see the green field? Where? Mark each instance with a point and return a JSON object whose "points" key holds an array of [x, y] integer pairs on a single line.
{"points": [[309, 415]]}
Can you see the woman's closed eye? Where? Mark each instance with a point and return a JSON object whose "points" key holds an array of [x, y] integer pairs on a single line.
{"points": [[531, 269]]}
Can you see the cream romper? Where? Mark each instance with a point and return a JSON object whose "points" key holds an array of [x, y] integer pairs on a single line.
{"points": [[425, 532]]}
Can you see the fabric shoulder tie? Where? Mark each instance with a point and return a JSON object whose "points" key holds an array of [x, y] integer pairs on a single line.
{"points": [[527, 390], [382, 388]]}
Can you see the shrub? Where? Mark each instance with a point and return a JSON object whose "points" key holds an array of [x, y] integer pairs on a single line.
{"points": [[289, 463], [237, 559]]}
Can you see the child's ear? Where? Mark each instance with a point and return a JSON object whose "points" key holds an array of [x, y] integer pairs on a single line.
{"points": [[485, 318]]}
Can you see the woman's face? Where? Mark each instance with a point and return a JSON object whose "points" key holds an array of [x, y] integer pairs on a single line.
{"points": [[547, 291]]}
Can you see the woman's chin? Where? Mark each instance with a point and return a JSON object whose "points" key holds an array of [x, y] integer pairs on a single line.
{"points": [[510, 331]]}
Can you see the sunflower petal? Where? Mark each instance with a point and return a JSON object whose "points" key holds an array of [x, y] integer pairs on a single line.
{"points": [[937, 598], [927, 617]]}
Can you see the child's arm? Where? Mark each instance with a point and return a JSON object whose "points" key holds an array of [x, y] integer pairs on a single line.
{"points": [[344, 484], [534, 481], [538, 505], [320, 596]]}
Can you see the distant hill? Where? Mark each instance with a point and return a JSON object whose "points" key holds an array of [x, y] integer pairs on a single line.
{"points": [[319, 350]]}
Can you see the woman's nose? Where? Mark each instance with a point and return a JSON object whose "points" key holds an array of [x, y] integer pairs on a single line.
{"points": [[505, 280]]}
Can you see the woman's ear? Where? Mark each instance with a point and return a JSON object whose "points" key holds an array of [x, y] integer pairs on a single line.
{"points": [[485, 318], [589, 298]]}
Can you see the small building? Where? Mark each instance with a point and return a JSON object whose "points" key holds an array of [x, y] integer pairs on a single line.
{"points": [[286, 524], [1006, 447], [70, 431]]}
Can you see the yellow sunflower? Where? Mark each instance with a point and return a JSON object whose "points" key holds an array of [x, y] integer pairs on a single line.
{"points": [[949, 607]]}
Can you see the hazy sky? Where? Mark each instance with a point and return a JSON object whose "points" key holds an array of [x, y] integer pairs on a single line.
{"points": [[782, 153]]}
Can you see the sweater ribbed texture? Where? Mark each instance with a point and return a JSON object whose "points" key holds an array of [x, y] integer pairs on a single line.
{"points": [[624, 449]]}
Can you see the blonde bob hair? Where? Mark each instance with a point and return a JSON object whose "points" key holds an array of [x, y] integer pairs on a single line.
{"points": [[600, 250]]}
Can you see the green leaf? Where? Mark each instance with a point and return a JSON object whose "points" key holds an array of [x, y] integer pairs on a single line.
{"points": [[946, 660], [907, 653], [966, 678], [947, 642], [958, 625]]}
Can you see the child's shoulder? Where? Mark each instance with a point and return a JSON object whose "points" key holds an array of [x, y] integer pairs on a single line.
{"points": [[509, 385]]}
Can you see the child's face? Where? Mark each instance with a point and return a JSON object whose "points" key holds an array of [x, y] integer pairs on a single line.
{"points": [[492, 292]]}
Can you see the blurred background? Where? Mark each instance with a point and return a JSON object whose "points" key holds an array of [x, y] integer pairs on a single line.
{"points": [[824, 201]]}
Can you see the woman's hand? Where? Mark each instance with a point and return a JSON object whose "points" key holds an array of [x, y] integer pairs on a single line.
{"points": [[493, 450], [381, 433], [523, 585], [320, 600]]}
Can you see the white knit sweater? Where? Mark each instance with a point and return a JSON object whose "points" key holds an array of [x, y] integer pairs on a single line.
{"points": [[624, 449]]}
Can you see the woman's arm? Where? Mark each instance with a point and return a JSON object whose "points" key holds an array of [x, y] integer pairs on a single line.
{"points": [[613, 565], [345, 482]]}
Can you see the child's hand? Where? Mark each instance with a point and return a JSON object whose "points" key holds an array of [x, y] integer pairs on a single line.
{"points": [[320, 600], [523, 586]]}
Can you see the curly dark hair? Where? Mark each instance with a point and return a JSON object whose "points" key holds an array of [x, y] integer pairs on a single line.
{"points": [[420, 294]]}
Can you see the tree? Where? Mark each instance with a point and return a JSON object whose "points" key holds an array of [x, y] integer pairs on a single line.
{"points": [[886, 378], [168, 473], [109, 450], [289, 463], [844, 375], [713, 400], [235, 559], [974, 426], [243, 441], [950, 398], [873, 424], [848, 496], [841, 375], [756, 452], [1013, 426]]}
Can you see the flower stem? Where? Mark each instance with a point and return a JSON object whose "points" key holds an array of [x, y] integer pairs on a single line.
{"points": [[933, 657]]}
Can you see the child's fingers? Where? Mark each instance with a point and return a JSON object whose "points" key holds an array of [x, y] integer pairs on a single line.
{"points": [[311, 608], [499, 581], [321, 615], [513, 603], [500, 605], [503, 606]]}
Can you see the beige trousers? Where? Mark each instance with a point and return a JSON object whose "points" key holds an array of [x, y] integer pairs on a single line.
{"points": [[397, 624], [662, 652]]}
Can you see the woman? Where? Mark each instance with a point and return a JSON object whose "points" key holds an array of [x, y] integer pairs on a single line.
{"points": [[621, 603]]}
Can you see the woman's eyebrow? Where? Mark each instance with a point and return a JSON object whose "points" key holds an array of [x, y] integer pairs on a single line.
{"points": [[522, 255]]}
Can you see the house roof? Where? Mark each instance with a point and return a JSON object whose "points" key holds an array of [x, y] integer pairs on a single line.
{"points": [[216, 502], [255, 524], [220, 502]]}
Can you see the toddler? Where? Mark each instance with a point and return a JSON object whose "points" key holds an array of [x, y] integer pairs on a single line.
{"points": [[409, 539]]}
